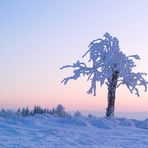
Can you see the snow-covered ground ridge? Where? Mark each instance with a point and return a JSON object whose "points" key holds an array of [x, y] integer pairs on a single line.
{"points": [[46, 131]]}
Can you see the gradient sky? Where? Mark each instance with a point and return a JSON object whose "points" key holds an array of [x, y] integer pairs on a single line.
{"points": [[37, 37]]}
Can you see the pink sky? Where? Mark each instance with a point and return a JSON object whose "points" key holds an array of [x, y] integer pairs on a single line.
{"points": [[37, 38]]}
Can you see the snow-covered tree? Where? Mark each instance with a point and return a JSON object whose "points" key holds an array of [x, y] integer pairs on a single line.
{"points": [[90, 115], [60, 111], [110, 66], [37, 110], [18, 112], [77, 114], [25, 112]]}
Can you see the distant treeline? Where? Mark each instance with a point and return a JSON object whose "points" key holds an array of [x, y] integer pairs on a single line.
{"points": [[58, 111], [25, 111]]}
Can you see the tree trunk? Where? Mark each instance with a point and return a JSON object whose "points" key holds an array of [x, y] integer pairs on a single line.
{"points": [[111, 94]]}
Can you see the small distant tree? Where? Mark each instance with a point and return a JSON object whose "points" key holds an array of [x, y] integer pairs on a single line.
{"points": [[110, 66], [60, 110], [18, 112], [52, 111], [48, 111], [23, 113], [38, 110], [27, 112], [2, 113], [77, 114], [3, 110], [44, 110], [90, 115]]}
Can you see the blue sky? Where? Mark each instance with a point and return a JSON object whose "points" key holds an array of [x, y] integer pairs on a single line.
{"points": [[38, 37]]}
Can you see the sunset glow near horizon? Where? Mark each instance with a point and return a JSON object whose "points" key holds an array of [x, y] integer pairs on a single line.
{"points": [[38, 37]]}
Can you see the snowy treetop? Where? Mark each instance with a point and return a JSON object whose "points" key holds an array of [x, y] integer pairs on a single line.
{"points": [[107, 59]]}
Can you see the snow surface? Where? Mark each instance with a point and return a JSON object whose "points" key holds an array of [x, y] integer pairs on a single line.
{"points": [[46, 131]]}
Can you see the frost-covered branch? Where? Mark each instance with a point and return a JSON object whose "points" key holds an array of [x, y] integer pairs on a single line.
{"points": [[79, 68], [133, 80], [106, 58]]}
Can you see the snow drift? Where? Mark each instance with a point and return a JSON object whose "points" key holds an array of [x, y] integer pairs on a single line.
{"points": [[46, 131]]}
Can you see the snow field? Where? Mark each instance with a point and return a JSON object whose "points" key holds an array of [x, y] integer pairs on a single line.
{"points": [[46, 131]]}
